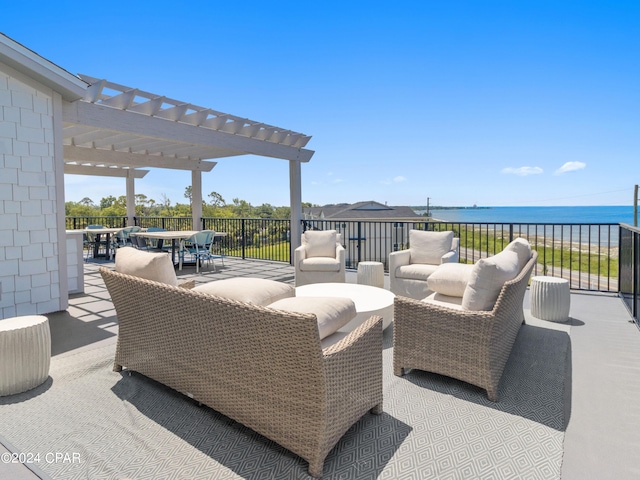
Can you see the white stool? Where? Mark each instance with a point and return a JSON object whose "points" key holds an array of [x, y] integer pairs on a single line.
{"points": [[550, 298], [371, 273], [25, 353]]}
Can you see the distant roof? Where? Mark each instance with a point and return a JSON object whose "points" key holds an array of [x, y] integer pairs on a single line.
{"points": [[361, 210]]}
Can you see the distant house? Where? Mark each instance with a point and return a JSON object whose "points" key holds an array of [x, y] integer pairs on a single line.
{"points": [[360, 211], [369, 227]]}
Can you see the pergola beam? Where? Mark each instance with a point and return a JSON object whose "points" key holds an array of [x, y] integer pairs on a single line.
{"points": [[103, 171], [134, 160]]}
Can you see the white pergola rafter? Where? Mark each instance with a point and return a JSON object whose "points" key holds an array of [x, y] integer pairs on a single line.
{"points": [[102, 92], [114, 130]]}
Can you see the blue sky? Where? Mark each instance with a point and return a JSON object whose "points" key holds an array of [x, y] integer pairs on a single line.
{"points": [[494, 103]]}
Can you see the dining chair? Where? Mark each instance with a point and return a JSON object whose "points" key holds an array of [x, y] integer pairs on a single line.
{"points": [[152, 243], [90, 241], [199, 247], [216, 249], [123, 237]]}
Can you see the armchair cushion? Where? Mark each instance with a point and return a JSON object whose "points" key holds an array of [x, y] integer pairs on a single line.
{"points": [[522, 249], [258, 291], [415, 271], [450, 279], [487, 278], [151, 266], [320, 264], [332, 313], [429, 247], [436, 298], [320, 243]]}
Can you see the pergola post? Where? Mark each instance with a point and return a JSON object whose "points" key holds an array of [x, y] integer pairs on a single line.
{"points": [[131, 198], [196, 199], [295, 192]]}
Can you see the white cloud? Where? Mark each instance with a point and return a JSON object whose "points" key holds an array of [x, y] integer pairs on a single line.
{"points": [[337, 180], [522, 171], [570, 167], [397, 179]]}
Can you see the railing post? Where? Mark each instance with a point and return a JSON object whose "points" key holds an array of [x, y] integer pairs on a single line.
{"points": [[359, 239], [510, 232], [636, 273], [244, 239]]}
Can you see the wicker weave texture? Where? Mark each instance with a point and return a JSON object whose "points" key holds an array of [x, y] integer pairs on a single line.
{"points": [[472, 346], [262, 367]]}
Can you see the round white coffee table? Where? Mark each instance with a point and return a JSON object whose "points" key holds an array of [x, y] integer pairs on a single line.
{"points": [[550, 298], [368, 300]]}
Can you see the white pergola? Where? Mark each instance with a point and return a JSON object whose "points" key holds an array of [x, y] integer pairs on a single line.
{"points": [[118, 131]]}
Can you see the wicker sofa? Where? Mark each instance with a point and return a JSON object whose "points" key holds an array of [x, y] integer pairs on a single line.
{"points": [[263, 367], [437, 334]]}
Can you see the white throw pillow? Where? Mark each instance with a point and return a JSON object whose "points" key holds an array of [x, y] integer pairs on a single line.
{"points": [[450, 279], [258, 291], [522, 249], [429, 247], [320, 243], [332, 313], [152, 266], [487, 278]]}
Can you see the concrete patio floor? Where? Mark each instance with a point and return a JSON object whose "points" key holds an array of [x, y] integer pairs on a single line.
{"points": [[602, 436]]}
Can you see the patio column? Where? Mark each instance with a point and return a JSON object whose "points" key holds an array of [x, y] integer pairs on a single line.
{"points": [[196, 199], [295, 192], [131, 197]]}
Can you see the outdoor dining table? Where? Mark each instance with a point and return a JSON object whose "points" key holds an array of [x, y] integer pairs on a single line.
{"points": [[98, 232], [175, 237]]}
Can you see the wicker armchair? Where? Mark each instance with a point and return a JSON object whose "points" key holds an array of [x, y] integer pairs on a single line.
{"points": [[262, 367], [472, 346]]}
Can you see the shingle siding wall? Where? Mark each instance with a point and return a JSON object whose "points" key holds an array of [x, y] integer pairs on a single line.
{"points": [[29, 278]]}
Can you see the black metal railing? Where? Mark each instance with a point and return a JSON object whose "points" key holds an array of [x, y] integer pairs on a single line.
{"points": [[586, 255], [254, 238], [168, 223], [593, 257], [630, 269], [76, 223]]}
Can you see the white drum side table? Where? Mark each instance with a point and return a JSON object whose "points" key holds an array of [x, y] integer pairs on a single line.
{"points": [[25, 353], [371, 273], [550, 298]]}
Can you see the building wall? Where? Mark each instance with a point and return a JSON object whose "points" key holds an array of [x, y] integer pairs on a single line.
{"points": [[29, 189]]}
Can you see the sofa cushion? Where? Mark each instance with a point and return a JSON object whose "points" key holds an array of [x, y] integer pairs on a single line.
{"points": [[487, 278], [319, 243], [332, 313], [152, 266], [319, 264], [522, 249], [429, 247], [258, 291], [450, 279], [415, 271]]}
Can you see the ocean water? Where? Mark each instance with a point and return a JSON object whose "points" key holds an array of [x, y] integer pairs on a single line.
{"points": [[547, 215], [593, 215]]}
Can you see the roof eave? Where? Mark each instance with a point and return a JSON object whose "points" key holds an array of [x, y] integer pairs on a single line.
{"points": [[40, 69]]}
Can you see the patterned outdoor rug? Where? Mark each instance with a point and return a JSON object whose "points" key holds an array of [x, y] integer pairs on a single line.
{"points": [[87, 422]]}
